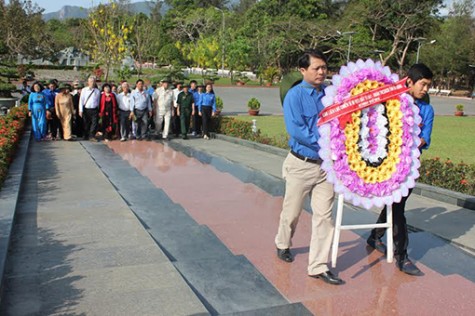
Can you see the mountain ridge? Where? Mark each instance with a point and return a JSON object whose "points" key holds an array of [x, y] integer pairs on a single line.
{"points": [[73, 12]]}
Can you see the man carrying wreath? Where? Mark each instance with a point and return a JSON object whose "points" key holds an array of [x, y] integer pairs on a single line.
{"points": [[302, 169], [419, 81]]}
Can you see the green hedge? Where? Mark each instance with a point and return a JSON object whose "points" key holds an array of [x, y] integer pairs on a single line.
{"points": [[444, 174]]}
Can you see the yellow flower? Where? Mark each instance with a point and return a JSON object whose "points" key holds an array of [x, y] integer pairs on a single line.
{"points": [[356, 163]]}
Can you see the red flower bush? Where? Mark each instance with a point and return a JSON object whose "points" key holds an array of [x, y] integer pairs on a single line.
{"points": [[11, 128]]}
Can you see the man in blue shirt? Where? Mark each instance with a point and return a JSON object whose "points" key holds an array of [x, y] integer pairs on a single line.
{"points": [[302, 169], [419, 81], [196, 118], [141, 109]]}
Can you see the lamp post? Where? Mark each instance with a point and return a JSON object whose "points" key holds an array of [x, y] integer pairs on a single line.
{"points": [[419, 44], [349, 42], [222, 40]]}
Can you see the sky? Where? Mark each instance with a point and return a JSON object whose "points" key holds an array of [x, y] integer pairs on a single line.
{"points": [[53, 6]]}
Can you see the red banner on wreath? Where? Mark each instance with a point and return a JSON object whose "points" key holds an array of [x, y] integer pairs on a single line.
{"points": [[343, 110]]}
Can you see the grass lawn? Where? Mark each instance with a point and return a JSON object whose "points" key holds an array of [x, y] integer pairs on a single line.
{"points": [[452, 137]]}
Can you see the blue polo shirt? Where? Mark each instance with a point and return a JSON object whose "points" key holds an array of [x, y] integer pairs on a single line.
{"points": [[427, 115], [196, 97], [50, 96], [302, 105], [207, 99]]}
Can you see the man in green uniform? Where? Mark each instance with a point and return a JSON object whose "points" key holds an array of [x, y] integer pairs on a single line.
{"points": [[185, 110]]}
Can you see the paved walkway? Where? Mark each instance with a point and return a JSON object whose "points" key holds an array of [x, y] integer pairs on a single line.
{"points": [[187, 227], [77, 249]]}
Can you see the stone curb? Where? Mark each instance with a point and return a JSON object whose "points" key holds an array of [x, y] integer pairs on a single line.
{"points": [[9, 198], [435, 193]]}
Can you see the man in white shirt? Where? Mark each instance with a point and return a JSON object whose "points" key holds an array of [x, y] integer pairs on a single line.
{"points": [[124, 111], [89, 108], [163, 103], [176, 125]]}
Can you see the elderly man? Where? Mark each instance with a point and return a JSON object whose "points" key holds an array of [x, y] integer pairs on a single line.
{"points": [[89, 108], [124, 101], [163, 103]]}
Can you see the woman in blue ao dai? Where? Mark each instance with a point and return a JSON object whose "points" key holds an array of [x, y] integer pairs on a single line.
{"points": [[37, 107]]}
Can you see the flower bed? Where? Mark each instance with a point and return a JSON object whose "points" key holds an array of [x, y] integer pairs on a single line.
{"points": [[11, 128], [445, 174]]}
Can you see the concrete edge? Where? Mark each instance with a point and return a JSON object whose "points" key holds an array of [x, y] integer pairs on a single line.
{"points": [[439, 194], [12, 186]]}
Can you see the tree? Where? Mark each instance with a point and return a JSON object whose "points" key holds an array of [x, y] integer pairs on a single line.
{"points": [[22, 28], [204, 52], [141, 38], [401, 22], [454, 50], [109, 34]]}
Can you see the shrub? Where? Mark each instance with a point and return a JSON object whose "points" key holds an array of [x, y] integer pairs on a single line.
{"points": [[459, 107], [253, 104], [445, 174], [11, 128], [219, 104], [235, 128], [241, 129]]}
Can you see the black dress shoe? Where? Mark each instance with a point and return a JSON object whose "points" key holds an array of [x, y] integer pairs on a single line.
{"points": [[377, 244], [285, 255], [405, 265], [329, 278]]}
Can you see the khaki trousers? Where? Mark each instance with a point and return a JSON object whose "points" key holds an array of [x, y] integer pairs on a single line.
{"points": [[302, 178]]}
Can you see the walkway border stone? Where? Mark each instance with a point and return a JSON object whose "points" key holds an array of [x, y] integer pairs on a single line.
{"points": [[9, 199], [432, 192]]}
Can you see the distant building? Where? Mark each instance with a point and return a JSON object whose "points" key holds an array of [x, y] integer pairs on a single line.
{"points": [[69, 56]]}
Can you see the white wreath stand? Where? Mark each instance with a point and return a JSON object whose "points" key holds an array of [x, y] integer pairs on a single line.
{"points": [[339, 227]]}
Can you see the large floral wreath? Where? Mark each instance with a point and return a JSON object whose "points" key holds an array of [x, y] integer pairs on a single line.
{"points": [[372, 156]]}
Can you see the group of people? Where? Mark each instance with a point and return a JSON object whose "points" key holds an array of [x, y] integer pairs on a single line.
{"points": [[65, 111]]}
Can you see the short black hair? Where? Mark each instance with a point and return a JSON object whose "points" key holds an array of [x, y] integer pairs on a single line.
{"points": [[36, 83], [418, 72], [106, 85], [140, 80], [304, 60], [193, 81]]}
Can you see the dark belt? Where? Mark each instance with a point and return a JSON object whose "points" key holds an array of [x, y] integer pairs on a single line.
{"points": [[306, 159]]}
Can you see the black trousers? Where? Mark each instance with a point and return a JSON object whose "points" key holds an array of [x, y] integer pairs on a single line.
{"points": [[206, 115], [400, 233], [175, 122], [78, 125], [91, 118], [54, 125], [197, 122], [124, 123]]}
